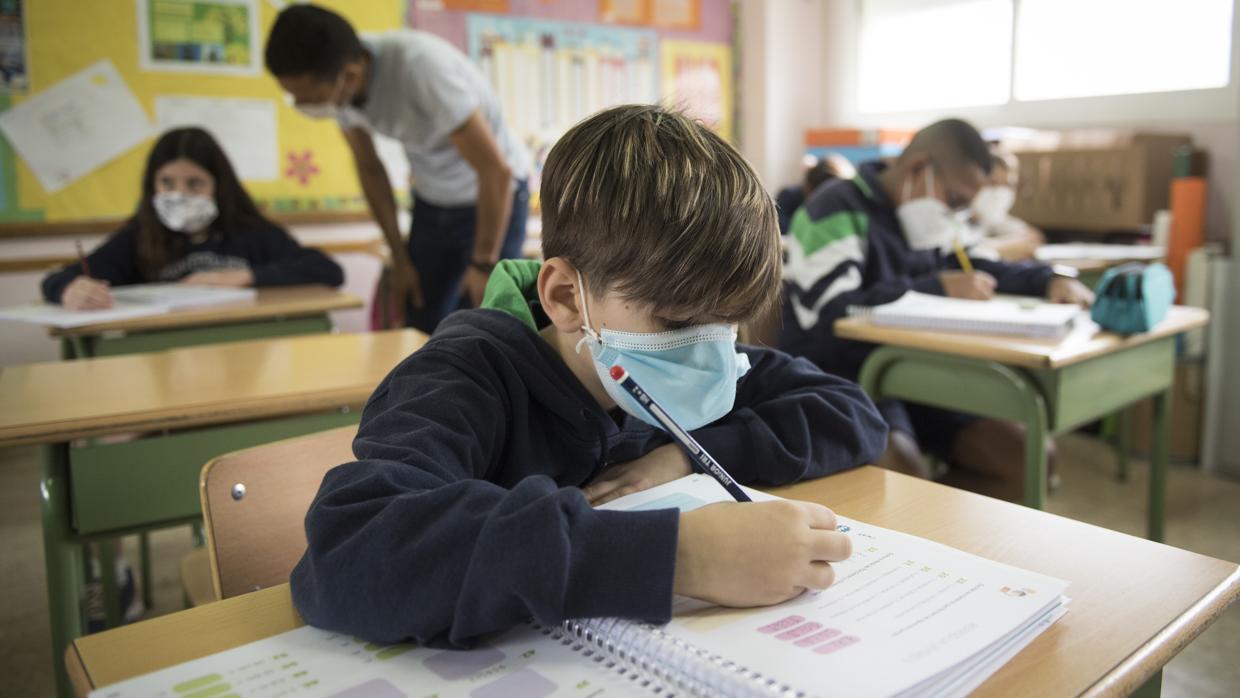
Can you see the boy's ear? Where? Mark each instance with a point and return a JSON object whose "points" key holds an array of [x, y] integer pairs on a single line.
{"points": [[559, 295]]}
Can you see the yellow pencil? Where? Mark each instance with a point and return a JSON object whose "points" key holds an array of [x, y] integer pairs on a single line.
{"points": [[963, 258]]}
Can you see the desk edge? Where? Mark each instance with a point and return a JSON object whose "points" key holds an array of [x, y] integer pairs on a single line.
{"points": [[79, 677], [1137, 668]]}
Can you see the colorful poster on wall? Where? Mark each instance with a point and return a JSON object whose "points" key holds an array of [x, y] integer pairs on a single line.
{"points": [[549, 75], [199, 36], [684, 15], [676, 14], [13, 70], [624, 11], [697, 77]]}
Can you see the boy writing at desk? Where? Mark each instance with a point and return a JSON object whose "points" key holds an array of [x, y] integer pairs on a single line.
{"points": [[469, 509], [892, 229]]}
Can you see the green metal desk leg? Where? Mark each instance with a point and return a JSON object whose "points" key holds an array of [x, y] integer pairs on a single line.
{"points": [[62, 559], [996, 391], [1035, 454], [1123, 435], [1158, 465]]}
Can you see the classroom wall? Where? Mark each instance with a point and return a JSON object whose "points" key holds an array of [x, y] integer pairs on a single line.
{"points": [[779, 40]]}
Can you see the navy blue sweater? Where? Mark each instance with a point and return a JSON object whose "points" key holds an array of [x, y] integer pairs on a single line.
{"points": [[463, 513], [270, 253], [846, 247]]}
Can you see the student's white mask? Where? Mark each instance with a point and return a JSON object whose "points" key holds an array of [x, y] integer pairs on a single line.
{"points": [[927, 222], [185, 213], [993, 202]]}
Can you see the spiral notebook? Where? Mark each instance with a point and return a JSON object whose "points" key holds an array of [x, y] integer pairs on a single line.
{"points": [[905, 617], [1006, 315]]}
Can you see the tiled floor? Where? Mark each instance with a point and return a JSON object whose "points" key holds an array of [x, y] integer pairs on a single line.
{"points": [[1202, 515]]}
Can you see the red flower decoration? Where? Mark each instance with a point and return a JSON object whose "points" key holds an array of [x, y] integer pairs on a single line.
{"points": [[301, 167]]}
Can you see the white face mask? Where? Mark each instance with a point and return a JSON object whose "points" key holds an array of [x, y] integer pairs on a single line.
{"points": [[325, 110], [320, 110], [927, 222], [993, 202], [185, 213]]}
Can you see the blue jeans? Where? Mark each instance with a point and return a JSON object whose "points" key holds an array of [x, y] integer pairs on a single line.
{"points": [[441, 244]]}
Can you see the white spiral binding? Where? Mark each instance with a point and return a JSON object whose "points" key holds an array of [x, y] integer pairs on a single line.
{"points": [[663, 663]]}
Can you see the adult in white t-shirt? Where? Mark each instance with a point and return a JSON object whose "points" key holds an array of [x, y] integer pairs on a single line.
{"points": [[470, 197]]}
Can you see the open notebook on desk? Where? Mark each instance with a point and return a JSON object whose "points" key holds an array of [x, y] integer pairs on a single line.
{"points": [[906, 616], [1002, 315], [138, 300]]}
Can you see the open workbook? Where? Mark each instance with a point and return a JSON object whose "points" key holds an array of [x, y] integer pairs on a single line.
{"points": [[906, 616], [1002, 315], [138, 300]]}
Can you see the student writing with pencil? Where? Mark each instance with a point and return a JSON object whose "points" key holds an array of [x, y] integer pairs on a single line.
{"points": [[896, 227], [195, 224], [469, 510]]}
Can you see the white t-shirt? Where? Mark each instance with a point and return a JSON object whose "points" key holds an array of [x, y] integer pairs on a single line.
{"points": [[420, 90]]}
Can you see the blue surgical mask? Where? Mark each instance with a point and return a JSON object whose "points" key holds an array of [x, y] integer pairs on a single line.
{"points": [[690, 372]]}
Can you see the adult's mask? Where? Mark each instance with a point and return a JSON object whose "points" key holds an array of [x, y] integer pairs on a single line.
{"points": [[992, 203], [184, 213], [690, 372], [927, 222]]}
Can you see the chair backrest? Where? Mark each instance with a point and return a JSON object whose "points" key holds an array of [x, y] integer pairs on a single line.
{"points": [[254, 503]]}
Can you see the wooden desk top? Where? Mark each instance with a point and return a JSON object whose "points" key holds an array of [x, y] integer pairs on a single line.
{"points": [[1020, 351], [65, 400], [1135, 604], [284, 301]]}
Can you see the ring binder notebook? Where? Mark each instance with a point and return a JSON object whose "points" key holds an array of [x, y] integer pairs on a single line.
{"points": [[905, 617]]}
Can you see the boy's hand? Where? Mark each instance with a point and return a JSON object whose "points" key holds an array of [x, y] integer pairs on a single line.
{"points": [[978, 286], [239, 278], [85, 293], [663, 464], [1064, 290], [756, 554]]}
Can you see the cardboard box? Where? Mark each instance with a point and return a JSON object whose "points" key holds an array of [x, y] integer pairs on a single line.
{"points": [[1100, 182], [1184, 442]]}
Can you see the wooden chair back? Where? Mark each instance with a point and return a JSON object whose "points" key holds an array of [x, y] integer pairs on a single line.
{"points": [[254, 504]]}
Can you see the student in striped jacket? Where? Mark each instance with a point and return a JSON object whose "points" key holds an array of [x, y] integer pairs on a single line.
{"points": [[868, 240]]}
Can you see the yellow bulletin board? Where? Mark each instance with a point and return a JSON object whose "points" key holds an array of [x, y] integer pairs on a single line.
{"points": [[314, 170]]}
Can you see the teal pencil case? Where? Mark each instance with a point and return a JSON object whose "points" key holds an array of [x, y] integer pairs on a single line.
{"points": [[1133, 297]]}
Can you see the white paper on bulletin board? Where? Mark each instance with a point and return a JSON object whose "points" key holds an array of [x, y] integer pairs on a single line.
{"points": [[245, 128], [76, 125]]}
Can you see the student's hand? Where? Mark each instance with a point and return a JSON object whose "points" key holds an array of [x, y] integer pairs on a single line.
{"points": [[978, 286], [663, 464], [757, 553], [237, 278], [474, 285], [406, 285], [85, 293], [1064, 290]]}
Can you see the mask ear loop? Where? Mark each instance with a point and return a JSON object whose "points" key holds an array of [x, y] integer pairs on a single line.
{"points": [[588, 332]]}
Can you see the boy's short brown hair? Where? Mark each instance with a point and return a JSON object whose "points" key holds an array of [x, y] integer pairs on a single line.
{"points": [[652, 204]]}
